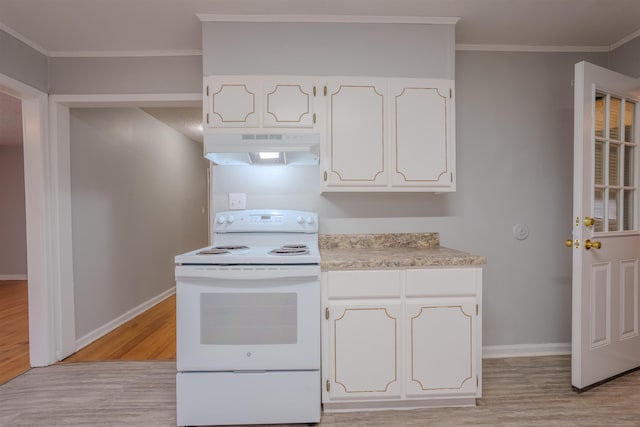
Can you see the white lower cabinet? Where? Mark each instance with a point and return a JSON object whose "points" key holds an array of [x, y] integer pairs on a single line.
{"points": [[401, 338], [366, 359], [439, 343]]}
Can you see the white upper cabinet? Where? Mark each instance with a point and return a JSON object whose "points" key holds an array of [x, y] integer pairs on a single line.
{"points": [[259, 102], [288, 102], [389, 135], [422, 134], [231, 102], [377, 134], [355, 149]]}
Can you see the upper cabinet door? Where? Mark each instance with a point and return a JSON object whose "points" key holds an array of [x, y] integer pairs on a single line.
{"points": [[356, 147], [288, 103], [232, 102], [259, 102], [422, 133]]}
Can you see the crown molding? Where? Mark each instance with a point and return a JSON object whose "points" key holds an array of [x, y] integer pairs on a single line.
{"points": [[528, 48], [346, 19], [624, 40], [121, 53], [23, 39], [124, 100]]}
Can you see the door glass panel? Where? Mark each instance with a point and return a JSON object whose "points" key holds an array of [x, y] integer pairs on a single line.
{"points": [[614, 169], [599, 163], [614, 164], [600, 115], [252, 318], [613, 210], [629, 170], [598, 209], [629, 114], [614, 118], [629, 203]]}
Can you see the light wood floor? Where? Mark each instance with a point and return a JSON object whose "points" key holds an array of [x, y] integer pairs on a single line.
{"points": [[149, 336], [14, 329]]}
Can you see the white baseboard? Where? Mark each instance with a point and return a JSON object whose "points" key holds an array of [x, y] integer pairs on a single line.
{"points": [[105, 329], [13, 277], [526, 350]]}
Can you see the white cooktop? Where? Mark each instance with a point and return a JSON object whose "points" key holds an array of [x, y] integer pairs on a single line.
{"points": [[257, 233]]}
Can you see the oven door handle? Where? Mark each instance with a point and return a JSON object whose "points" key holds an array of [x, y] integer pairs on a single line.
{"points": [[245, 272]]}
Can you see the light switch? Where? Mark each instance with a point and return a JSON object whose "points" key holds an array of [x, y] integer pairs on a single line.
{"points": [[237, 201]]}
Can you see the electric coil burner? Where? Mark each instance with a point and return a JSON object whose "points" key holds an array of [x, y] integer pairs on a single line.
{"points": [[288, 250], [248, 322]]}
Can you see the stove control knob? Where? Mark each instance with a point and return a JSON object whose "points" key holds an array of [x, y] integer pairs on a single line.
{"points": [[230, 219], [300, 220], [221, 220], [309, 220]]}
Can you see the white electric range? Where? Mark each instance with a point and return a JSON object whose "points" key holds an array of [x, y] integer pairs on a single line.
{"points": [[248, 322]]}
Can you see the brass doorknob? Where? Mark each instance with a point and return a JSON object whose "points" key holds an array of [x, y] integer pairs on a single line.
{"points": [[588, 221], [588, 244], [568, 243]]}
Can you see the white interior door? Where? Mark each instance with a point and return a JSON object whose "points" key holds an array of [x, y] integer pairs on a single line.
{"points": [[606, 238]]}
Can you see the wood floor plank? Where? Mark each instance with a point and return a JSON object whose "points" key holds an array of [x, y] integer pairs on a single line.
{"points": [[149, 336], [14, 329]]}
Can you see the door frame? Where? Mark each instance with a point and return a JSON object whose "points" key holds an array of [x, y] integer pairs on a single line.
{"points": [[38, 218]]}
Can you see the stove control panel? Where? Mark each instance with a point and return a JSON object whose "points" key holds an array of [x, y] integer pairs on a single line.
{"points": [[268, 221], [303, 220]]}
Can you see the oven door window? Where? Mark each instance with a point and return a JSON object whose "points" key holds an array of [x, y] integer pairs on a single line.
{"points": [[248, 318]]}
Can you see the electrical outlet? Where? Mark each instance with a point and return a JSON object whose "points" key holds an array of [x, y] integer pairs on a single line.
{"points": [[237, 201]]}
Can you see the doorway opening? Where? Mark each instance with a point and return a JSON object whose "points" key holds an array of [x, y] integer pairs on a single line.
{"points": [[14, 316], [138, 196]]}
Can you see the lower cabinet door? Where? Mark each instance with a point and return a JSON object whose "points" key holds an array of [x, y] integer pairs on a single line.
{"points": [[440, 347], [363, 353]]}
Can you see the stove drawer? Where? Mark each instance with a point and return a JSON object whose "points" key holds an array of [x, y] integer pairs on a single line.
{"points": [[221, 398]]}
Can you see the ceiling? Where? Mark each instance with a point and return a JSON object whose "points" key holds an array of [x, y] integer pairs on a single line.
{"points": [[100, 27], [60, 28]]}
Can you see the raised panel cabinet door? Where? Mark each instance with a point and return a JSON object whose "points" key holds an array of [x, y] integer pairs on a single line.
{"points": [[288, 103], [440, 356], [363, 351], [422, 133], [232, 102], [356, 144]]}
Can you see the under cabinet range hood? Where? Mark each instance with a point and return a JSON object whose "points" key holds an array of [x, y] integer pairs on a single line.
{"points": [[262, 149]]}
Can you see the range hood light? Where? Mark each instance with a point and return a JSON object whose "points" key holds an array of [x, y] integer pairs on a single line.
{"points": [[268, 155]]}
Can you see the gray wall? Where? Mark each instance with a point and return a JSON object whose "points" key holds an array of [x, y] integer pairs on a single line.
{"points": [[626, 58], [147, 74], [138, 189], [514, 124], [328, 49], [13, 238], [23, 63]]}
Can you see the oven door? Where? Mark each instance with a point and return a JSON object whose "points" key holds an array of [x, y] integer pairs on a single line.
{"points": [[248, 318]]}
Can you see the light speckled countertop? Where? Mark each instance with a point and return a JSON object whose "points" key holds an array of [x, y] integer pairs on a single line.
{"points": [[392, 250]]}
